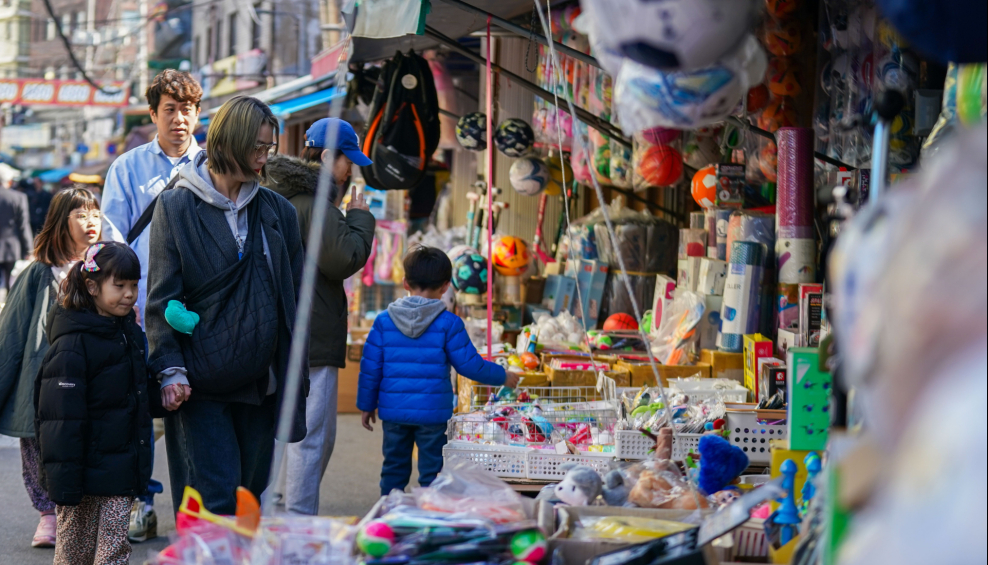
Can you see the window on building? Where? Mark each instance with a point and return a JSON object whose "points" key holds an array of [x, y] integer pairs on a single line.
{"points": [[219, 39], [255, 31], [196, 54], [209, 45], [232, 35]]}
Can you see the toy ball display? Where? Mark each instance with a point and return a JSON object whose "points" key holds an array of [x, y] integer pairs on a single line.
{"points": [[471, 131], [660, 136], [529, 175], [458, 250], [757, 98], [661, 165], [781, 9], [620, 321], [470, 273], [510, 256], [781, 77], [529, 546], [704, 187], [376, 538], [560, 173], [514, 137], [673, 34], [782, 39], [778, 114]]}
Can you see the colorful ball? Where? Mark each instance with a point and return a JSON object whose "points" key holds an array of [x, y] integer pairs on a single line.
{"points": [[471, 131], [661, 165], [781, 75], [529, 546], [757, 98], [782, 39], [376, 538], [704, 186], [458, 250], [529, 360], [620, 321], [779, 113], [529, 175], [514, 137], [470, 273], [781, 8], [510, 256]]}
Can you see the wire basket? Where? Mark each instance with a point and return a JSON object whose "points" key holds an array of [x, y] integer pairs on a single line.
{"points": [[544, 394], [633, 445], [500, 460], [523, 427], [544, 464]]}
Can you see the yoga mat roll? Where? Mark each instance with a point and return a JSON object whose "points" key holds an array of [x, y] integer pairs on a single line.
{"points": [[794, 199], [717, 220], [710, 218], [698, 221], [756, 227], [797, 260], [740, 311], [692, 243]]}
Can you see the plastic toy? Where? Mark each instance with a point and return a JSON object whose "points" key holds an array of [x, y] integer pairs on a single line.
{"points": [[620, 321], [470, 274], [471, 131], [782, 77], [248, 513], [661, 165], [647, 320], [529, 176], [787, 515], [704, 186], [782, 39], [514, 137], [510, 256], [375, 538], [529, 546], [779, 113], [701, 150], [180, 319]]}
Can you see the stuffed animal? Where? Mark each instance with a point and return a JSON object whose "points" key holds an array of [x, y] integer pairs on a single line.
{"points": [[720, 463], [182, 320], [581, 485], [660, 485], [615, 490]]}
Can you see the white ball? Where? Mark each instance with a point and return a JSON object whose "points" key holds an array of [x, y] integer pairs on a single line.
{"points": [[529, 175]]}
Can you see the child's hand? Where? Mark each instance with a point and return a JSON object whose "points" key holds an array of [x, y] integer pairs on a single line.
{"points": [[172, 396], [511, 380], [366, 418]]}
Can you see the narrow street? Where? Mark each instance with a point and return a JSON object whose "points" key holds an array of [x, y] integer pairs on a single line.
{"points": [[348, 489]]}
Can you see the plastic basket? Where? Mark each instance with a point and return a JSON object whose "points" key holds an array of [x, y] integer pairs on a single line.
{"points": [[544, 464], [753, 436], [699, 390], [632, 445], [683, 444], [545, 394], [501, 460]]}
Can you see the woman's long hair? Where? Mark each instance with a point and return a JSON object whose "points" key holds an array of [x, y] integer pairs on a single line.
{"points": [[54, 245]]}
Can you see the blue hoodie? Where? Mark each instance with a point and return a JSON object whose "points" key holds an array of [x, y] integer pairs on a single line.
{"points": [[404, 373]]}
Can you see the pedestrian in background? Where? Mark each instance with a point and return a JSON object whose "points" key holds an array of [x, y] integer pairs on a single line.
{"points": [[16, 237], [133, 181], [346, 244], [72, 226], [93, 408]]}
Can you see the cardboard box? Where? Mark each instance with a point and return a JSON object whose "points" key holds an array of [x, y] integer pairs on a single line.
{"points": [[808, 389], [465, 388], [771, 379], [810, 313], [533, 289], [710, 322], [641, 372], [730, 184], [713, 274], [689, 273], [665, 289], [724, 365], [558, 294], [756, 347], [562, 377], [590, 279], [346, 394], [785, 340]]}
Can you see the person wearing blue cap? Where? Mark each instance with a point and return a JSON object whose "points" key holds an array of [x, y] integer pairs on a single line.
{"points": [[346, 245]]}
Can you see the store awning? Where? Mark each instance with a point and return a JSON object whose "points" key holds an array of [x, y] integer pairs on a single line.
{"points": [[280, 91], [54, 175], [282, 110]]}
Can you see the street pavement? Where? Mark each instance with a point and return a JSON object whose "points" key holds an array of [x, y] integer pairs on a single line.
{"points": [[349, 488]]}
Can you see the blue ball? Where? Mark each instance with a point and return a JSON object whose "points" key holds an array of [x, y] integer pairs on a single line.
{"points": [[470, 273]]}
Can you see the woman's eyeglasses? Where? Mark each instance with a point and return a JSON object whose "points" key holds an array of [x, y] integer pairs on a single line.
{"points": [[265, 148], [86, 216]]}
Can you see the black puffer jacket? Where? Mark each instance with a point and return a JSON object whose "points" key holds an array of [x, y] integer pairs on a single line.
{"points": [[93, 408]]}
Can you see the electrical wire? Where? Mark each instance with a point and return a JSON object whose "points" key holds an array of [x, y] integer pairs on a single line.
{"points": [[72, 57]]}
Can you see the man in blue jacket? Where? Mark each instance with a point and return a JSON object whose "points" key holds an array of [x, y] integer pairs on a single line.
{"points": [[404, 373]]}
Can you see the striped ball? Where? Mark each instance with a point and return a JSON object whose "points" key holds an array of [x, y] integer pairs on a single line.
{"points": [[376, 538], [529, 546]]}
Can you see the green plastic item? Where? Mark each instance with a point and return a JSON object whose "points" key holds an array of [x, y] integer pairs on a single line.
{"points": [[182, 320]]}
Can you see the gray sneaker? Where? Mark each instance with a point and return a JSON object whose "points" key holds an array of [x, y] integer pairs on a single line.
{"points": [[143, 523]]}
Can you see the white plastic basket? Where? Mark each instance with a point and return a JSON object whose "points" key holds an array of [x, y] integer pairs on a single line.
{"points": [[700, 390], [683, 444], [544, 464], [632, 445], [501, 460], [752, 436]]}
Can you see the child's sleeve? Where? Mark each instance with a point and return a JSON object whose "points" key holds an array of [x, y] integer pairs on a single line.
{"points": [[62, 424], [371, 370], [465, 359]]}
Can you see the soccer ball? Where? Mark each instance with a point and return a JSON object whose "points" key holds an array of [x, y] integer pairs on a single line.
{"points": [[514, 137], [471, 131], [529, 175], [458, 250], [510, 256], [470, 273], [672, 35], [781, 76], [661, 165], [779, 113], [704, 187]]}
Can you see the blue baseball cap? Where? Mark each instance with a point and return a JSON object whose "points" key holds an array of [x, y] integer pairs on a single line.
{"points": [[346, 139]]}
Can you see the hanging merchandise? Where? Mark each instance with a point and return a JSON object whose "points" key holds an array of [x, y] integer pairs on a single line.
{"points": [[782, 39], [656, 165], [795, 247], [780, 113], [647, 98], [600, 156], [621, 165], [704, 186], [514, 137], [693, 34], [511, 256], [471, 131], [403, 130], [529, 176], [782, 77], [742, 293], [700, 150], [470, 273], [579, 158], [756, 99], [559, 169]]}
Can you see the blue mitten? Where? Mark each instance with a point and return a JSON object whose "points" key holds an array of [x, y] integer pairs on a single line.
{"points": [[720, 463], [179, 318]]}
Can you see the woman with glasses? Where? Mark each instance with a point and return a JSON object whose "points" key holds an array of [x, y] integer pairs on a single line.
{"points": [[229, 251], [72, 225]]}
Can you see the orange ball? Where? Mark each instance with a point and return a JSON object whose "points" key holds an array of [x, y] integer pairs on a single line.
{"points": [[661, 165], [620, 321], [757, 98], [778, 114], [781, 76], [781, 9], [782, 39], [704, 186], [529, 360]]}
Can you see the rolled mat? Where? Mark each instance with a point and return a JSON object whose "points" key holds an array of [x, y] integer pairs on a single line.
{"points": [[797, 260], [698, 221], [692, 243], [717, 220], [740, 311], [795, 184], [755, 227]]}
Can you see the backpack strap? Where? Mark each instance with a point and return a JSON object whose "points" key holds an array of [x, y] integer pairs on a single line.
{"points": [[142, 223]]}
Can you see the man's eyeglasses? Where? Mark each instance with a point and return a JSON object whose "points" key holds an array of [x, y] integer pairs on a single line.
{"points": [[265, 148], [85, 216]]}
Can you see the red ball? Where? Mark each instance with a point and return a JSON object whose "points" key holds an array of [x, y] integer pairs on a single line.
{"points": [[661, 165], [757, 98], [620, 321]]}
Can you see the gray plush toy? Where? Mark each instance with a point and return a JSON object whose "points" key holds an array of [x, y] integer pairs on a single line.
{"points": [[581, 485]]}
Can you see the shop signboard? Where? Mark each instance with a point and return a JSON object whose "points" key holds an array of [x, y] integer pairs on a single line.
{"points": [[43, 92]]}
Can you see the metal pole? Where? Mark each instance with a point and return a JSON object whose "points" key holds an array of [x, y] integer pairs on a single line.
{"points": [[581, 114], [517, 29]]}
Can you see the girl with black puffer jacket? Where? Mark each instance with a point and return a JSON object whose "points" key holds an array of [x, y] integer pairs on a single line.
{"points": [[93, 408]]}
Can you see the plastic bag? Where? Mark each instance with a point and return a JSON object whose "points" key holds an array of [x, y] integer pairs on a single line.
{"points": [[677, 341], [205, 544], [630, 529], [658, 483], [465, 487], [302, 540], [657, 160]]}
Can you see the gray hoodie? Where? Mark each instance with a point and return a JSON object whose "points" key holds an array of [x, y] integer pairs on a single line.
{"points": [[413, 315], [198, 181]]}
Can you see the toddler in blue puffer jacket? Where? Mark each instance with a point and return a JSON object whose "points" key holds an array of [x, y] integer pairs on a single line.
{"points": [[404, 372]]}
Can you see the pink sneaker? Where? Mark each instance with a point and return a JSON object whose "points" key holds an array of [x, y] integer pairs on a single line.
{"points": [[44, 536]]}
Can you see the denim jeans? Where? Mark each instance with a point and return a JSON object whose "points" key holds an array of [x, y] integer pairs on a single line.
{"points": [[216, 446], [398, 442]]}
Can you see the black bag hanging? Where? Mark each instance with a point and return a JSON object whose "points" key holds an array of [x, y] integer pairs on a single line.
{"points": [[403, 129]]}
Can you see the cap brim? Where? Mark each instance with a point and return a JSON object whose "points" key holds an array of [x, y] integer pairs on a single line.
{"points": [[357, 157]]}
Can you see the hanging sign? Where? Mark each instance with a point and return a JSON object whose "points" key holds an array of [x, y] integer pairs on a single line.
{"points": [[41, 92]]}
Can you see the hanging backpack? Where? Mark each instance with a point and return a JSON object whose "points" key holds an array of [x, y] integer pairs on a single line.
{"points": [[403, 127]]}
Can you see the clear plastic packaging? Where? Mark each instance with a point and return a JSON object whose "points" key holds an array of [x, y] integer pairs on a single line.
{"points": [[464, 487], [302, 540], [205, 544], [658, 483], [631, 529], [677, 342]]}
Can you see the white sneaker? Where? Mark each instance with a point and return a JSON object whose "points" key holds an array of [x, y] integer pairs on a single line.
{"points": [[143, 523]]}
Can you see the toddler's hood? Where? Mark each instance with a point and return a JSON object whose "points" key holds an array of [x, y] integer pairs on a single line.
{"points": [[413, 315]]}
